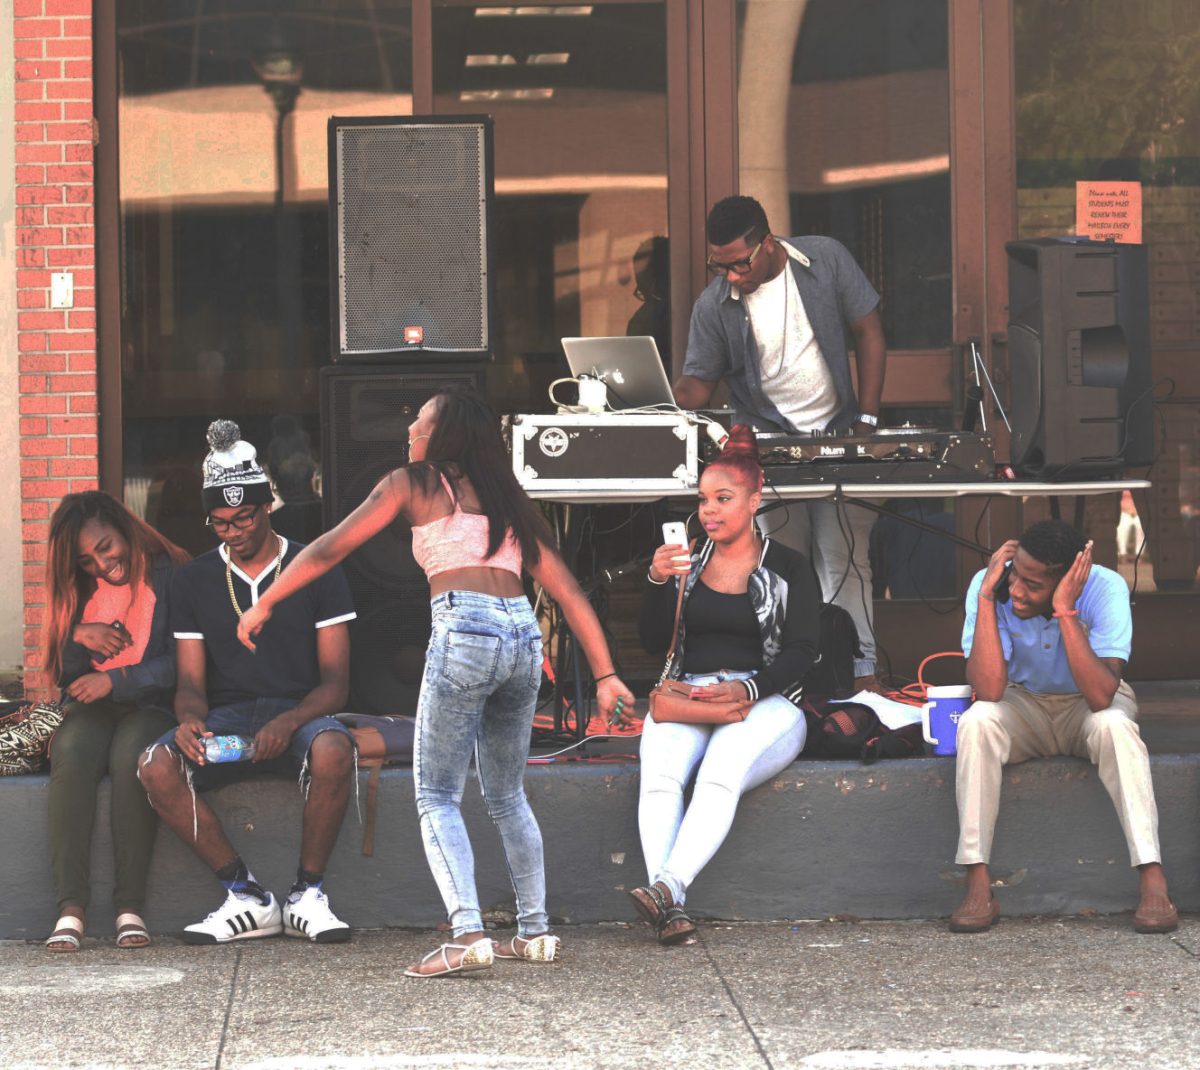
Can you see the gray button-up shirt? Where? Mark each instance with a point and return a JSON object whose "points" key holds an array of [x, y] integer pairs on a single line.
{"points": [[835, 293]]}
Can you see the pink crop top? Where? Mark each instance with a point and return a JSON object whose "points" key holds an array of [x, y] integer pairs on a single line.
{"points": [[459, 540]]}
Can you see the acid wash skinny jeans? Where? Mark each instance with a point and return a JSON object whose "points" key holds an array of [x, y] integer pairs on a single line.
{"points": [[732, 759], [478, 697]]}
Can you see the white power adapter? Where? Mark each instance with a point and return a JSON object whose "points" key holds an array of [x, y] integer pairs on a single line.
{"points": [[717, 433]]}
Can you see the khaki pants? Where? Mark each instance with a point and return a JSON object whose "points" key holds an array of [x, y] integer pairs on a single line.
{"points": [[1025, 725]]}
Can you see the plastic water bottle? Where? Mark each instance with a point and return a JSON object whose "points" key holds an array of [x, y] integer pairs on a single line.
{"points": [[228, 749]]}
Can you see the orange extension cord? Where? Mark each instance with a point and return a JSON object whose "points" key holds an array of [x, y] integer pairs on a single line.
{"points": [[597, 726], [914, 694]]}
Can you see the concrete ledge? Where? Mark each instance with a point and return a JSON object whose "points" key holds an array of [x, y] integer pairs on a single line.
{"points": [[824, 838]]}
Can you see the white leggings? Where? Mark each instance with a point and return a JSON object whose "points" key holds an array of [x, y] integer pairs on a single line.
{"points": [[732, 759]]}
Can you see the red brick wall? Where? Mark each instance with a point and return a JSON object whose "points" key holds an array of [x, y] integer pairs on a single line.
{"points": [[55, 232]]}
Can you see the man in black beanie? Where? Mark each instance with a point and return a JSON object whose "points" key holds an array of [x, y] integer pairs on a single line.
{"points": [[281, 698]]}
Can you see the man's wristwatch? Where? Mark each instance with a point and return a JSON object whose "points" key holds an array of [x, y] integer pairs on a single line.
{"points": [[868, 419]]}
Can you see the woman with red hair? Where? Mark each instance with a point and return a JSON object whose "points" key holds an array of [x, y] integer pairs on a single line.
{"points": [[749, 629], [107, 644]]}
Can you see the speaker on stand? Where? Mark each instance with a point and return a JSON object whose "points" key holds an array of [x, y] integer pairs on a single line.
{"points": [[410, 211], [411, 214], [365, 415]]}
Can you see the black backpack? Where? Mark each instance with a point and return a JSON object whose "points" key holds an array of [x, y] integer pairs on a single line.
{"points": [[850, 730], [832, 674]]}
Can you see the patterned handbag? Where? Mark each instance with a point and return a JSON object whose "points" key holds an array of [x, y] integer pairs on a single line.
{"points": [[25, 734]]}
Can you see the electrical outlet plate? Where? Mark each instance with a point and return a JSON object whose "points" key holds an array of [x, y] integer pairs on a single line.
{"points": [[62, 289]]}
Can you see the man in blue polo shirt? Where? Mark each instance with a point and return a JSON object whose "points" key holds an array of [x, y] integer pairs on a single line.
{"points": [[1046, 637], [281, 697], [773, 324]]}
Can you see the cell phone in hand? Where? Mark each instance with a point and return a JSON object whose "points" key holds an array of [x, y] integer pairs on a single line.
{"points": [[674, 533], [1000, 591]]}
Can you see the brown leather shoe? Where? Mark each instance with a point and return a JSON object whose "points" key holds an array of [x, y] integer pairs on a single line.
{"points": [[975, 915], [1156, 914]]}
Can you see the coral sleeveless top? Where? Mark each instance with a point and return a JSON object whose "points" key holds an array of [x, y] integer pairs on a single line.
{"points": [[459, 540], [133, 607]]}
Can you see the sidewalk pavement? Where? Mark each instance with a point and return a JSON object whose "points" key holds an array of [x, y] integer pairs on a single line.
{"points": [[1041, 992]]}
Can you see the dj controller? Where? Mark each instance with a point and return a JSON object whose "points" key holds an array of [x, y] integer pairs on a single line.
{"points": [[905, 454]]}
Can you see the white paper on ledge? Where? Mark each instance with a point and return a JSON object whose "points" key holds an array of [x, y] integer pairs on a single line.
{"points": [[893, 714]]}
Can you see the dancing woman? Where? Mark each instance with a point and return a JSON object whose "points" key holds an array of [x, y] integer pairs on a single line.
{"points": [[475, 532], [749, 629], [107, 644]]}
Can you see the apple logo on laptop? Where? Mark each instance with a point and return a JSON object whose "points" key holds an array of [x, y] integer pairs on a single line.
{"points": [[618, 378]]}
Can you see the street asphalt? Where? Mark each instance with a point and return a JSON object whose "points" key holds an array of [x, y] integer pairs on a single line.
{"points": [[838, 994]]}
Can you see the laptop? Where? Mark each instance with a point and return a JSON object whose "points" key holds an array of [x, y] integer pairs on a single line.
{"points": [[629, 365]]}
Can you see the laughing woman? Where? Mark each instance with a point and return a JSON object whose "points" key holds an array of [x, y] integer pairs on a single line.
{"points": [[107, 644]]}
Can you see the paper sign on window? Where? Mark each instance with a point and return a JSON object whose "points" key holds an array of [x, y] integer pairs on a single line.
{"points": [[1109, 211]]}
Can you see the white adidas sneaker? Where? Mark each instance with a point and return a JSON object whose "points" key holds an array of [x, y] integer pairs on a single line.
{"points": [[308, 915], [238, 918]]}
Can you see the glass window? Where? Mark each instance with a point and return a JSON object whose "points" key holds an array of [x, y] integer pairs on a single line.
{"points": [[1109, 91], [224, 229], [578, 95], [844, 130]]}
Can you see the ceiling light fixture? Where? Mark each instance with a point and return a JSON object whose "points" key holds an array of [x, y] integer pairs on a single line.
{"points": [[525, 10], [467, 96], [491, 60]]}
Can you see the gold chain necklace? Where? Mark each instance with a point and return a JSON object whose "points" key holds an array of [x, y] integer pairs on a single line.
{"points": [[229, 575]]}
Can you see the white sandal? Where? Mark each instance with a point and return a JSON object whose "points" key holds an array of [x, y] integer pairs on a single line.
{"points": [[131, 927], [68, 932], [544, 947], [477, 956]]}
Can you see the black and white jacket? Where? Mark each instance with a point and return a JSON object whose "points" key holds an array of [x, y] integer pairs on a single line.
{"points": [[787, 602]]}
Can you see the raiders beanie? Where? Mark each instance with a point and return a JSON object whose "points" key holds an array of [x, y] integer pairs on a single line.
{"points": [[232, 474]]}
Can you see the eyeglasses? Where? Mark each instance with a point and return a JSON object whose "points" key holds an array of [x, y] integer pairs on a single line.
{"points": [[240, 521], [738, 267]]}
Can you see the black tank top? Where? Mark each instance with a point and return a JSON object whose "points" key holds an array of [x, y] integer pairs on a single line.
{"points": [[722, 632]]}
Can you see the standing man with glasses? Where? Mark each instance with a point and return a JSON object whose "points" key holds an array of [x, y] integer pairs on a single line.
{"points": [[773, 324], [281, 697]]}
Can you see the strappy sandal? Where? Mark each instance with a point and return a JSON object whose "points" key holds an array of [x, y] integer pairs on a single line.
{"points": [[541, 948], [475, 957], [656, 904], [131, 932], [652, 902], [677, 927], [67, 935]]}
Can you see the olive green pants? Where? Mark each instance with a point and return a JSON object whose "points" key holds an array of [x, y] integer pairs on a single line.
{"points": [[98, 738]]}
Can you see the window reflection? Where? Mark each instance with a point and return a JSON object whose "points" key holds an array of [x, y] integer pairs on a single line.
{"points": [[843, 130], [578, 95], [1108, 91], [224, 221]]}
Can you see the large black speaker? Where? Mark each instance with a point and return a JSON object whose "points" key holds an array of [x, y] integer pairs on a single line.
{"points": [[1079, 357], [410, 211], [365, 414]]}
